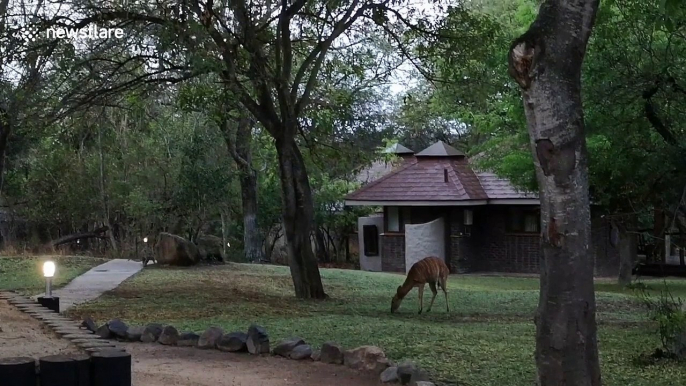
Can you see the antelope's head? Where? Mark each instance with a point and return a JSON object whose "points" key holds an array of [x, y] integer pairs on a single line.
{"points": [[397, 299]]}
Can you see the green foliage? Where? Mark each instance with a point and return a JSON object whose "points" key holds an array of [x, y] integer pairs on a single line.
{"points": [[670, 317]]}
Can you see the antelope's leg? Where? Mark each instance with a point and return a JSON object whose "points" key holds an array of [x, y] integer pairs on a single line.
{"points": [[421, 297], [432, 285], [445, 292]]}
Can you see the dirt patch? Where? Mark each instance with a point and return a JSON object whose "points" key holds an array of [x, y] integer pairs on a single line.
{"points": [[22, 335], [157, 365]]}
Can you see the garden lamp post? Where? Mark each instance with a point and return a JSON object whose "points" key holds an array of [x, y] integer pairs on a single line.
{"points": [[49, 301], [49, 273]]}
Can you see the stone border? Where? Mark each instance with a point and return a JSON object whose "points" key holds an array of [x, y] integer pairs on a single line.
{"points": [[62, 326], [369, 359]]}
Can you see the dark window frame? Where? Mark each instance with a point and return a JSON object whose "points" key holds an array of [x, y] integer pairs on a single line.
{"points": [[404, 217], [370, 238], [516, 220]]}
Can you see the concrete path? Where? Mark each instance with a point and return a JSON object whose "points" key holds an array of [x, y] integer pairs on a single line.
{"points": [[95, 282]]}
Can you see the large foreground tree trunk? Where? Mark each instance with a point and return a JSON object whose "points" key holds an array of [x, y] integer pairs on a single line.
{"points": [[239, 143], [546, 62], [298, 220]]}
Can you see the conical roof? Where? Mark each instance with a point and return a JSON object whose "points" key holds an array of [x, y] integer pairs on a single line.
{"points": [[440, 149], [398, 149]]}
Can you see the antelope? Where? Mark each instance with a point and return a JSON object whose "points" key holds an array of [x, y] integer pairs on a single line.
{"points": [[430, 270]]}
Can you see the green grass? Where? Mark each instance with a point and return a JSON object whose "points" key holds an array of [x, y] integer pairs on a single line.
{"points": [[25, 274], [487, 339]]}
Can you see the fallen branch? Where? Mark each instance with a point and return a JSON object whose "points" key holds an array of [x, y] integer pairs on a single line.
{"points": [[95, 234]]}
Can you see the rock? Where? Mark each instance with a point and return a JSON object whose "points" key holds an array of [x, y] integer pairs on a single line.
{"points": [[390, 375], [134, 334], [169, 336], [366, 358], [332, 353], [89, 324], [188, 339], [117, 328], [316, 356], [210, 337], [409, 374], [301, 352], [233, 342], [175, 250], [258, 340], [210, 248], [424, 383], [151, 333], [103, 332], [285, 347]]}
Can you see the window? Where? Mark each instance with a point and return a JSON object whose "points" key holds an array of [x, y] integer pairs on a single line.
{"points": [[523, 221], [370, 238], [393, 219]]}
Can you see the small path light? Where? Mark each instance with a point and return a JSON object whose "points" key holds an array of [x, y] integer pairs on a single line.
{"points": [[49, 301], [48, 273], [145, 239]]}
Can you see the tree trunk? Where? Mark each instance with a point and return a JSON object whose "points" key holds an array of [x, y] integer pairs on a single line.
{"points": [[103, 193], [322, 251], [546, 63], [298, 219], [5, 130], [628, 244], [239, 146]]}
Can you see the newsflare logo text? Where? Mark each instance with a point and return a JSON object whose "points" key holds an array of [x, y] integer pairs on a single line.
{"points": [[91, 32]]}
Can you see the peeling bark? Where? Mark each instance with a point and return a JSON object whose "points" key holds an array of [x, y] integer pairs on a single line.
{"points": [[546, 62], [298, 220], [239, 143]]}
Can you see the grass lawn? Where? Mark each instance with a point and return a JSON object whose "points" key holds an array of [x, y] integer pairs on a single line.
{"points": [[25, 274], [487, 339]]}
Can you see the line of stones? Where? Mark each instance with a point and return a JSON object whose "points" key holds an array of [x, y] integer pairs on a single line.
{"points": [[60, 325]]}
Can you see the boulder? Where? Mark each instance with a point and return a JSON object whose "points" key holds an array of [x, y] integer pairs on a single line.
{"points": [[331, 353], [316, 355], [169, 336], [366, 358], [285, 347], [188, 339], [134, 334], [233, 342], [89, 324], [390, 375], [424, 383], [151, 333], [258, 340], [117, 328], [103, 332], [409, 374], [303, 351], [175, 250], [210, 248], [210, 337]]}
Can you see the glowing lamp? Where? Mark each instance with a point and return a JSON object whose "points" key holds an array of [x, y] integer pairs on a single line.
{"points": [[49, 269], [145, 239]]}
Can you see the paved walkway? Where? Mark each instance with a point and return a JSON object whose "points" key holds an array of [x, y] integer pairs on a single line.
{"points": [[95, 282]]}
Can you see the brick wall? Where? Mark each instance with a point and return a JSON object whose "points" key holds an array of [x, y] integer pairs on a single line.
{"points": [[393, 255], [490, 248]]}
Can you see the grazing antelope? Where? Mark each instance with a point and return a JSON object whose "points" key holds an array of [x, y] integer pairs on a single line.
{"points": [[430, 270]]}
